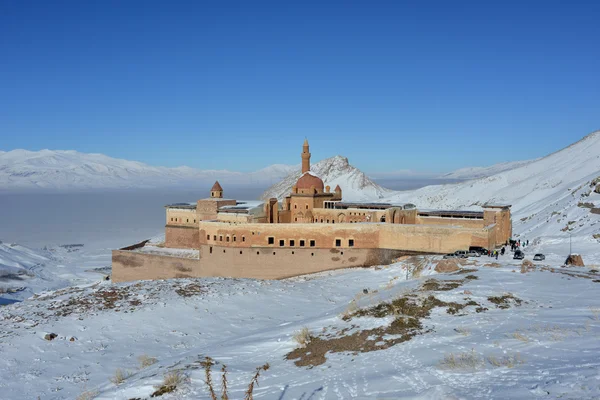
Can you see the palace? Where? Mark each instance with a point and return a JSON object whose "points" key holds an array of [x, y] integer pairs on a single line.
{"points": [[313, 229]]}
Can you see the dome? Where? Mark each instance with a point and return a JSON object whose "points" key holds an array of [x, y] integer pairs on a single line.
{"points": [[308, 180]]}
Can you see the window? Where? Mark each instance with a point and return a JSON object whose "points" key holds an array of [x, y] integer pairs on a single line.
{"points": [[221, 238], [292, 252], [327, 221], [271, 240], [171, 219], [240, 252], [295, 219], [302, 243], [234, 238], [227, 239], [215, 237], [223, 250], [194, 221], [321, 220], [243, 238], [312, 243], [281, 243], [207, 237], [350, 242], [338, 242], [273, 253], [210, 249], [295, 205], [292, 242], [187, 220], [307, 206]]}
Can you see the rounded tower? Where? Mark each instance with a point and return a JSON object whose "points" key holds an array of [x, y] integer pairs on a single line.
{"points": [[305, 157], [216, 192]]}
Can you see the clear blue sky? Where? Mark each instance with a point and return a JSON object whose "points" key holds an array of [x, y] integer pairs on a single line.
{"points": [[424, 85]]}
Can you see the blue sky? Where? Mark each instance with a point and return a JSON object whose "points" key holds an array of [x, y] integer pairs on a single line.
{"points": [[392, 85]]}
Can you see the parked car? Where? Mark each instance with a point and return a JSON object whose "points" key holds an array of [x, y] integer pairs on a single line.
{"points": [[479, 249], [451, 255], [473, 253], [539, 257], [519, 255], [461, 253]]}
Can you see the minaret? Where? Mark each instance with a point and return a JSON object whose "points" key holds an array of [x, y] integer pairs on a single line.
{"points": [[305, 157]]}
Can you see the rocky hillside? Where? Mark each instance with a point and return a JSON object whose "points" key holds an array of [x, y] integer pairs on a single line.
{"points": [[482, 172], [333, 171]]}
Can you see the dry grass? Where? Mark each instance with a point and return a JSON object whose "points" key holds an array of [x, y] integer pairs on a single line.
{"points": [[120, 376], [87, 395], [303, 337], [146, 361], [350, 310], [463, 331], [595, 312], [465, 360], [508, 361], [527, 266], [519, 336], [254, 381], [174, 378]]}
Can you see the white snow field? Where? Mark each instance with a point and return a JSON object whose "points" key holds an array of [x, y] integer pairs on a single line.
{"points": [[545, 343]]}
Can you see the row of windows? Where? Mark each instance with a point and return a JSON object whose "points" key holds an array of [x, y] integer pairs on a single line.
{"points": [[302, 242], [227, 238], [181, 220], [296, 206], [258, 252]]}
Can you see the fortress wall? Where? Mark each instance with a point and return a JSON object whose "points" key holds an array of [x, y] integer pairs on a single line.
{"points": [[279, 263], [182, 237], [234, 217], [256, 235], [254, 263], [463, 222], [427, 238], [181, 217], [132, 266]]}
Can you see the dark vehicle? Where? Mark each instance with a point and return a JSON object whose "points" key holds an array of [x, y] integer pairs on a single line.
{"points": [[519, 255], [539, 257], [461, 253], [478, 249]]}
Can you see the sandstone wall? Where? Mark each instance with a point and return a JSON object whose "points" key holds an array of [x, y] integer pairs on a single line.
{"points": [[182, 237], [256, 263]]}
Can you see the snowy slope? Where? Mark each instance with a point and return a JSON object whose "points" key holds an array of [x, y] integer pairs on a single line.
{"points": [[333, 171], [550, 335], [546, 194], [482, 172], [58, 169]]}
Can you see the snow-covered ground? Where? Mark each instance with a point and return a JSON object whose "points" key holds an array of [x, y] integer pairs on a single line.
{"points": [[549, 343]]}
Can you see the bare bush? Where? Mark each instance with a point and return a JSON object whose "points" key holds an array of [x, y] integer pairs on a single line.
{"points": [[120, 376], [509, 361], [303, 337], [87, 395], [146, 361], [209, 362], [519, 336], [465, 360]]}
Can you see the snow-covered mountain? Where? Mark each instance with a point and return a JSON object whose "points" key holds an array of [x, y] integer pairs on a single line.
{"points": [[482, 172], [67, 169], [552, 196], [333, 171]]}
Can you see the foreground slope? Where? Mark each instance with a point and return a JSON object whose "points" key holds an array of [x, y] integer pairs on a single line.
{"points": [[333, 171], [519, 335]]}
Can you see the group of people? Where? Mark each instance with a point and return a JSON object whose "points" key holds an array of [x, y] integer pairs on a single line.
{"points": [[495, 253], [515, 244]]}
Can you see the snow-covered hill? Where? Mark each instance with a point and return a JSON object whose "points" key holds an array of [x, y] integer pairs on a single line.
{"points": [[482, 172], [333, 171], [552, 196], [67, 169]]}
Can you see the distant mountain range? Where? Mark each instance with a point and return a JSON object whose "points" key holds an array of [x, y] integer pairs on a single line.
{"points": [[67, 169]]}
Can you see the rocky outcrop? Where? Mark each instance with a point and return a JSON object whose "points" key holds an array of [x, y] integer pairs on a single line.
{"points": [[333, 171], [575, 260]]}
